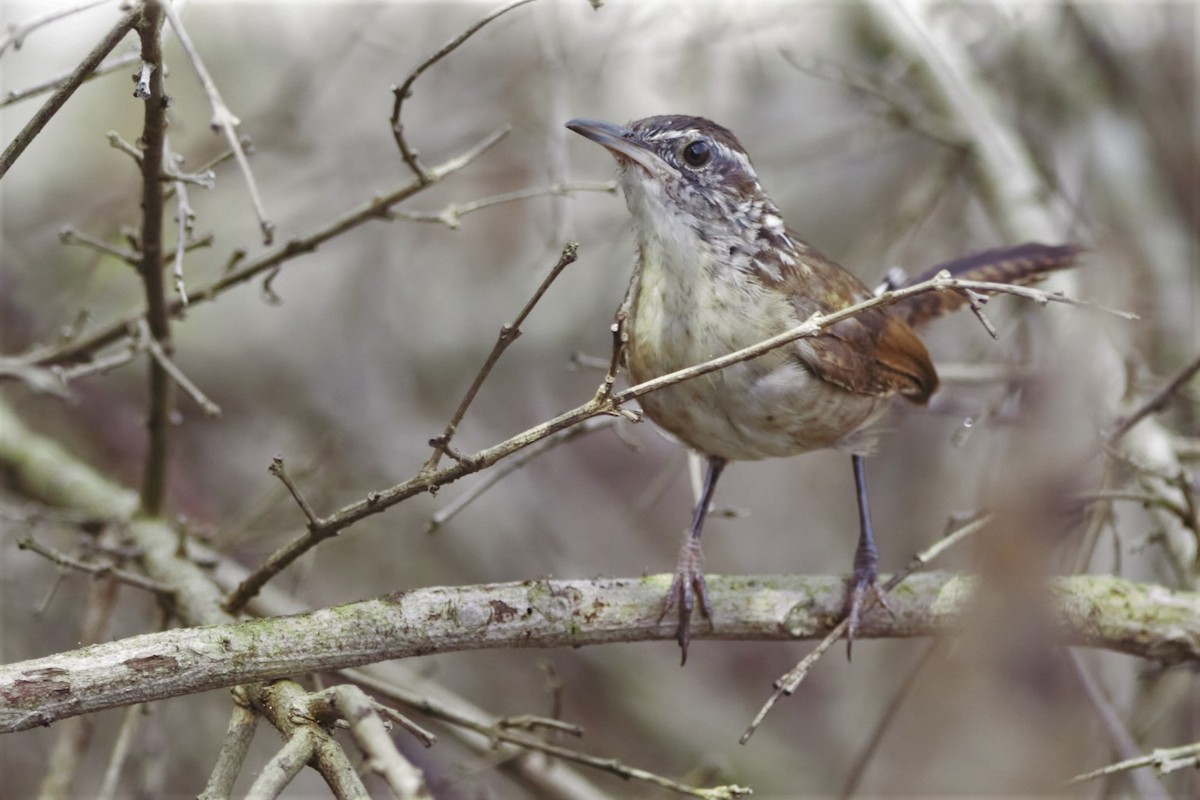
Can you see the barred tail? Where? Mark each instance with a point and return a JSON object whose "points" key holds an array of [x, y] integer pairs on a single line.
{"points": [[1026, 263]]}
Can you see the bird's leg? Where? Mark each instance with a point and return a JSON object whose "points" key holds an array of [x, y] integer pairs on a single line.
{"points": [[688, 585], [865, 580]]}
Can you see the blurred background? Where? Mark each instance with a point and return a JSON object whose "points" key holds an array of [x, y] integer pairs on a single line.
{"points": [[379, 333]]}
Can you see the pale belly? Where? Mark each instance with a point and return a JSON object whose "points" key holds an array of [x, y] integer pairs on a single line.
{"points": [[771, 406]]}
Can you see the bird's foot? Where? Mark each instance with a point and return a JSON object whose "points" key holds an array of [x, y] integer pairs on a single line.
{"points": [[863, 591], [687, 588]]}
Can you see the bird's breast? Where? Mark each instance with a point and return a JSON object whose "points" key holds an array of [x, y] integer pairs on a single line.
{"points": [[689, 307]]}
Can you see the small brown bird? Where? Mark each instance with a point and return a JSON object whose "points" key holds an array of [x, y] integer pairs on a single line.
{"points": [[718, 271]]}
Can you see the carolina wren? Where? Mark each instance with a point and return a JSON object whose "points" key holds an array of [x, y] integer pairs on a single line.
{"points": [[718, 271]]}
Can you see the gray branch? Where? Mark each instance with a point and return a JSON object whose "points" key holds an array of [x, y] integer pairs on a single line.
{"points": [[1103, 612]]}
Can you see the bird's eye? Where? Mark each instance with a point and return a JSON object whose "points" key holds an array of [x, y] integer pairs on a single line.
{"points": [[696, 154]]}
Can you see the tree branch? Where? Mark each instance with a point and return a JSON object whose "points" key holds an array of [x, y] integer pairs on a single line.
{"points": [[66, 89], [1102, 612], [376, 208], [150, 267]]}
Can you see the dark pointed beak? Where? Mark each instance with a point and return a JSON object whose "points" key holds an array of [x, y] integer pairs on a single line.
{"points": [[623, 143]]}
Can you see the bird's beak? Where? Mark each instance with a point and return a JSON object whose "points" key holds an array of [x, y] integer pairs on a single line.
{"points": [[622, 143]]}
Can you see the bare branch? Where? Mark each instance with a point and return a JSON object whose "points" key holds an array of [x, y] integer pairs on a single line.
{"points": [[222, 120], [120, 752], [506, 468], [1157, 401], [1111, 613], [382, 757], [105, 570], [66, 89], [111, 65], [17, 33], [280, 471], [377, 208], [234, 748], [789, 682], [160, 356], [158, 321], [1163, 759], [404, 90], [451, 216], [508, 335], [1118, 733], [69, 235]]}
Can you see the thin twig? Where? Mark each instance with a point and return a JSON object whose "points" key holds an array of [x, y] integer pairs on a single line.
{"points": [[976, 301], [160, 356], [497, 731], [97, 366], [67, 88], [886, 99], [790, 681], [204, 177], [108, 570], [508, 334], [426, 737], [1146, 499], [69, 235], [39, 379], [1163, 759], [1156, 401], [278, 469], [18, 32], [116, 142], [184, 219], [1110, 719], [532, 722], [222, 120], [107, 789], [451, 216], [376, 208], [404, 90], [234, 747], [859, 767], [510, 466], [111, 65]]}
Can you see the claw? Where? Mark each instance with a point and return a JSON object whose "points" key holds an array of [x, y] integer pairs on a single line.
{"points": [[687, 586], [864, 592]]}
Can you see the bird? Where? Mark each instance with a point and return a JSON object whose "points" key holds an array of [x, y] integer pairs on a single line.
{"points": [[719, 270]]}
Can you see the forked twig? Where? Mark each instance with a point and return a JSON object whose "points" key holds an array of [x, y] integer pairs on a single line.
{"points": [[508, 334]]}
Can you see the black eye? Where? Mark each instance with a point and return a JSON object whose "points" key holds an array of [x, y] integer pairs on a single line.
{"points": [[697, 153]]}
